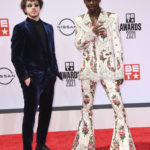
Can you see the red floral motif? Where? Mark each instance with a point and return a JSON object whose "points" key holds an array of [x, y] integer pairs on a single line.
{"points": [[115, 145], [95, 71], [122, 132], [90, 147], [95, 58], [103, 84], [115, 115], [91, 64], [83, 65], [76, 141], [76, 31], [88, 57], [85, 130], [82, 16], [104, 34], [117, 89], [79, 42], [94, 40], [102, 57], [81, 70], [131, 145], [109, 65], [90, 112], [86, 42], [90, 25], [86, 99], [116, 100]]}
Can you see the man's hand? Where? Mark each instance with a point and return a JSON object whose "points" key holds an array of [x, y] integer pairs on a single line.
{"points": [[119, 82], [27, 81], [99, 30]]}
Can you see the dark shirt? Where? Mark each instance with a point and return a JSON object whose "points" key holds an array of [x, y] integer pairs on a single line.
{"points": [[43, 37]]}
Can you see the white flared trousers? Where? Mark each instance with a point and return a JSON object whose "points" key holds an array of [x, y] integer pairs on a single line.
{"points": [[84, 139]]}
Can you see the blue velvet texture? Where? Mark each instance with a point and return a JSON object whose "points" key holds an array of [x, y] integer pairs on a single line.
{"points": [[27, 49], [27, 54]]}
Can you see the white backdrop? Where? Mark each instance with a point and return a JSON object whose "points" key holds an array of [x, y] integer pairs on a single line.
{"points": [[136, 51]]}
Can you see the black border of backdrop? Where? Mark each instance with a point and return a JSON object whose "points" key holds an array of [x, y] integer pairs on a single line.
{"points": [[67, 108]]}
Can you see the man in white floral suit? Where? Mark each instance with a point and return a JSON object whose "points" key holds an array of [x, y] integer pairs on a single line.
{"points": [[97, 32]]}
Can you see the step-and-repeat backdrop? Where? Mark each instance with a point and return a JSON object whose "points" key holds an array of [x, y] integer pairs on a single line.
{"points": [[135, 30]]}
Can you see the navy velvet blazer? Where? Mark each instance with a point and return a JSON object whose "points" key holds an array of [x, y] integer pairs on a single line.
{"points": [[27, 49]]}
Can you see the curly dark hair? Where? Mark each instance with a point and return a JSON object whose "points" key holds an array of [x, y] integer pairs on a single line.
{"points": [[23, 4]]}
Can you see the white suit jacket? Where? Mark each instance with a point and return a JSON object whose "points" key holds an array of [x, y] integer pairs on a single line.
{"points": [[102, 56]]}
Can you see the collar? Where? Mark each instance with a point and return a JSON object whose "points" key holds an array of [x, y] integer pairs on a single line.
{"points": [[101, 19], [33, 21]]}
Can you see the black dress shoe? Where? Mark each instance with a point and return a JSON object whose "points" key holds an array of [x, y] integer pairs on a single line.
{"points": [[41, 147]]}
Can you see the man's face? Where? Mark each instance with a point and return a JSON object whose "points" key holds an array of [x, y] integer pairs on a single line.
{"points": [[32, 9], [92, 5]]}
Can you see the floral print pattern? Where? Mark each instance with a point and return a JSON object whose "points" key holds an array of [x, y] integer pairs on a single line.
{"points": [[84, 139], [102, 55]]}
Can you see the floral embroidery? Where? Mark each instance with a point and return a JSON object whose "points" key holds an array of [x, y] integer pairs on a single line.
{"points": [[93, 65], [82, 16], [116, 100], [76, 141], [131, 145], [115, 145], [103, 84], [118, 64], [117, 89], [76, 31], [115, 115], [102, 57], [92, 87], [90, 25], [91, 145], [97, 53], [109, 65], [83, 67], [88, 57], [85, 130], [122, 132], [79, 41], [86, 99]]}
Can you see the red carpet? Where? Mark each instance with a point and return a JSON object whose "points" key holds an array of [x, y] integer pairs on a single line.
{"points": [[64, 140]]}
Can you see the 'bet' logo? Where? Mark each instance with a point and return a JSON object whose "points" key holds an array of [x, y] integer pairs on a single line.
{"points": [[4, 27], [132, 71]]}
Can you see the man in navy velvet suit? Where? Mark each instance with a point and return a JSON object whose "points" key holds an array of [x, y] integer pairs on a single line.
{"points": [[33, 56]]}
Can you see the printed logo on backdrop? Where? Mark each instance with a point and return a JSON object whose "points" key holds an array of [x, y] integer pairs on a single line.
{"points": [[6, 76], [132, 71], [4, 27], [131, 26], [66, 27], [70, 75]]}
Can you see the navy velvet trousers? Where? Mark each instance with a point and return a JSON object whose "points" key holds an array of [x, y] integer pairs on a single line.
{"points": [[39, 93]]}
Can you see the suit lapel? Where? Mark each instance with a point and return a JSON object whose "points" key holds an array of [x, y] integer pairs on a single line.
{"points": [[48, 34]]}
